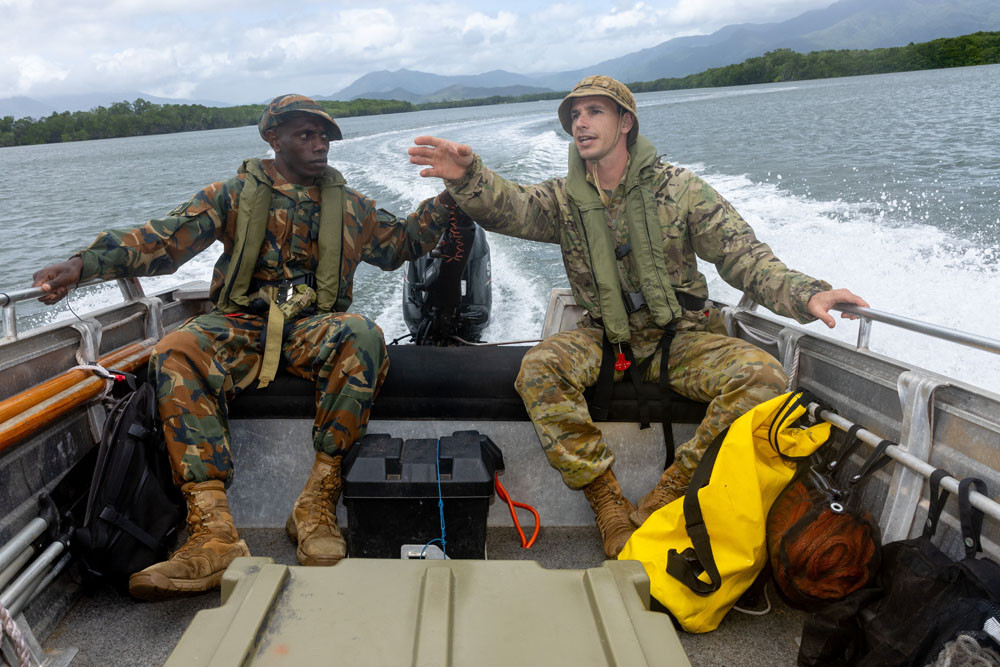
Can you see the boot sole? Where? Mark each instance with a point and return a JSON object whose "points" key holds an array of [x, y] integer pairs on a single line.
{"points": [[154, 586]]}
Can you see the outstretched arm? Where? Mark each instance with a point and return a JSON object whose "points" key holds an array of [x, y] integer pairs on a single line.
{"points": [[821, 303], [57, 279], [445, 159]]}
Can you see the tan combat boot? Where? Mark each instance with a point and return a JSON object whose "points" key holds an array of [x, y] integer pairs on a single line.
{"points": [[672, 485], [211, 546], [313, 522], [612, 510]]}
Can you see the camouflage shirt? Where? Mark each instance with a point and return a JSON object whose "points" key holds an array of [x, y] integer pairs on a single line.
{"points": [[290, 246], [695, 219]]}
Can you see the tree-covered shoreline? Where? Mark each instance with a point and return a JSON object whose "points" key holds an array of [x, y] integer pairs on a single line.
{"points": [[138, 118]]}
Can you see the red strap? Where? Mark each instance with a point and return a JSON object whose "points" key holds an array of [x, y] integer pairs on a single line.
{"points": [[511, 504]]}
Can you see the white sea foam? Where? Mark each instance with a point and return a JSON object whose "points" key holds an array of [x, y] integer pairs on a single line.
{"points": [[883, 243]]}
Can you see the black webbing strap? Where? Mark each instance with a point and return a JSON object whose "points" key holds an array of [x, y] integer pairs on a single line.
{"points": [[875, 462], [605, 382], [970, 517], [938, 497], [693, 561], [635, 372]]}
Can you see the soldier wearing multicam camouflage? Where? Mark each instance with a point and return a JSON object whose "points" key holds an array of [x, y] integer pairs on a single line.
{"points": [[208, 360], [694, 222]]}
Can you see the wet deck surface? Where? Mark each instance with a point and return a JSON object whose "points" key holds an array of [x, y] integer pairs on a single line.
{"points": [[109, 629]]}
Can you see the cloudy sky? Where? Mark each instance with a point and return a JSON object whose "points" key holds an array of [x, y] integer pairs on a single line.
{"points": [[250, 50]]}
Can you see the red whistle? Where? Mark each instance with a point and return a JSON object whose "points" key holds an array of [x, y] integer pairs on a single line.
{"points": [[622, 364]]}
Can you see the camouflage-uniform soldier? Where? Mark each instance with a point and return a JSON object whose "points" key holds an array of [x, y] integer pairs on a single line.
{"points": [[292, 235], [616, 199]]}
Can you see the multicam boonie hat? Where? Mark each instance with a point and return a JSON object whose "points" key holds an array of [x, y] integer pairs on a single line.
{"points": [[283, 104], [606, 87]]}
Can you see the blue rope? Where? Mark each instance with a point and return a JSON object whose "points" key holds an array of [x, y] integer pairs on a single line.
{"points": [[444, 551]]}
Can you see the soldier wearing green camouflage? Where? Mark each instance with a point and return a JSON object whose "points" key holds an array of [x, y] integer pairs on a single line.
{"points": [[208, 360], [614, 171]]}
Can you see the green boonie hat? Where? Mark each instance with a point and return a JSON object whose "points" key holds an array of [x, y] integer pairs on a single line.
{"points": [[283, 104], [606, 87]]}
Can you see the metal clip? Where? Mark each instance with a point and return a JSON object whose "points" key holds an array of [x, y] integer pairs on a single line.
{"points": [[284, 290]]}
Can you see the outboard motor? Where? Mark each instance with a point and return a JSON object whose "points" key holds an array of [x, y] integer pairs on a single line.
{"points": [[447, 294]]}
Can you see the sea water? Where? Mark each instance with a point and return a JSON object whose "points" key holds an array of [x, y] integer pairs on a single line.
{"points": [[888, 185]]}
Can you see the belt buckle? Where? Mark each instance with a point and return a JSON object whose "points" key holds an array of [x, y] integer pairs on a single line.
{"points": [[284, 291]]}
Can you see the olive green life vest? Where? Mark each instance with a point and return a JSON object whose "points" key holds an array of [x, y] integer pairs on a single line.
{"points": [[644, 235], [251, 227]]}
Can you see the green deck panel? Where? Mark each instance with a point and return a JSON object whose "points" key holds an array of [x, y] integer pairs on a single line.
{"points": [[433, 613]]}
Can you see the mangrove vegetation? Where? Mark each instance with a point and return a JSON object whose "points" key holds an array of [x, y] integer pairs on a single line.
{"points": [[128, 119]]}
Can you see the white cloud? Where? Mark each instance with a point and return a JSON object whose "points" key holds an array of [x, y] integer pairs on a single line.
{"points": [[33, 70], [254, 50]]}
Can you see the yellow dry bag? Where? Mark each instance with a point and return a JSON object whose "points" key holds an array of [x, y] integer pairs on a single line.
{"points": [[701, 552]]}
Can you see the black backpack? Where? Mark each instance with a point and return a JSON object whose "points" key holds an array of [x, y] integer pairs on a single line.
{"points": [[133, 508]]}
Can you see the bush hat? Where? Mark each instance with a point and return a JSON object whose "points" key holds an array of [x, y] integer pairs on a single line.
{"points": [[285, 104], [604, 86]]}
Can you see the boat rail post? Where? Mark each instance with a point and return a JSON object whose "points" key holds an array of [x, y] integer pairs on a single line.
{"points": [[131, 288], [90, 345], [788, 345], [9, 322], [729, 314], [916, 438], [864, 333], [154, 316]]}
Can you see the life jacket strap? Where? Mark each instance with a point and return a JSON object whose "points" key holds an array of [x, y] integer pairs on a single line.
{"points": [[635, 372]]}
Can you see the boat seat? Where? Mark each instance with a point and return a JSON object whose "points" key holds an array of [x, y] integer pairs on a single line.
{"points": [[445, 383]]}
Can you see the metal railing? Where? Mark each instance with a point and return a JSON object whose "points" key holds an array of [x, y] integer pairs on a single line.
{"points": [[130, 287], [869, 315]]}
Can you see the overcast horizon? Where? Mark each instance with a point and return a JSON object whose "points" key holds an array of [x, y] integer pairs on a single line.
{"points": [[185, 49]]}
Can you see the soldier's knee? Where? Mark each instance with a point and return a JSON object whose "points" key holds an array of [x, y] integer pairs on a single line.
{"points": [[538, 363], [174, 347], [765, 373], [363, 331]]}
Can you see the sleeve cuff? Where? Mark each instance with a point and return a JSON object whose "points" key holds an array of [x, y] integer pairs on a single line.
{"points": [[91, 267]]}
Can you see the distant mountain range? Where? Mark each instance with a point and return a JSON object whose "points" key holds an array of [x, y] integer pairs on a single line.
{"points": [[846, 24]]}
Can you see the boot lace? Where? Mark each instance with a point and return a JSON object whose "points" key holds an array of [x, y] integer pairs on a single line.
{"points": [[320, 506]]}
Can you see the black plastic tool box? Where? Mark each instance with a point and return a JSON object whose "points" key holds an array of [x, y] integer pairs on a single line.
{"points": [[391, 493]]}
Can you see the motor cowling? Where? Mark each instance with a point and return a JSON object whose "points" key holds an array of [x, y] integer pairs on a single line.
{"points": [[447, 294]]}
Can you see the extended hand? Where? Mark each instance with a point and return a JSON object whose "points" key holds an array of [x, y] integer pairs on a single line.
{"points": [[57, 279], [821, 303], [446, 159]]}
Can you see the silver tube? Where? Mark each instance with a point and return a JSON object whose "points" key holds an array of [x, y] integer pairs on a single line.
{"points": [[11, 570], [935, 330], [24, 538], [9, 321], [7, 298], [32, 573], [984, 503], [864, 333], [28, 597]]}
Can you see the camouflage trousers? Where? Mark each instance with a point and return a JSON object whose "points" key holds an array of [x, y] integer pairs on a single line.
{"points": [[211, 358], [729, 374]]}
